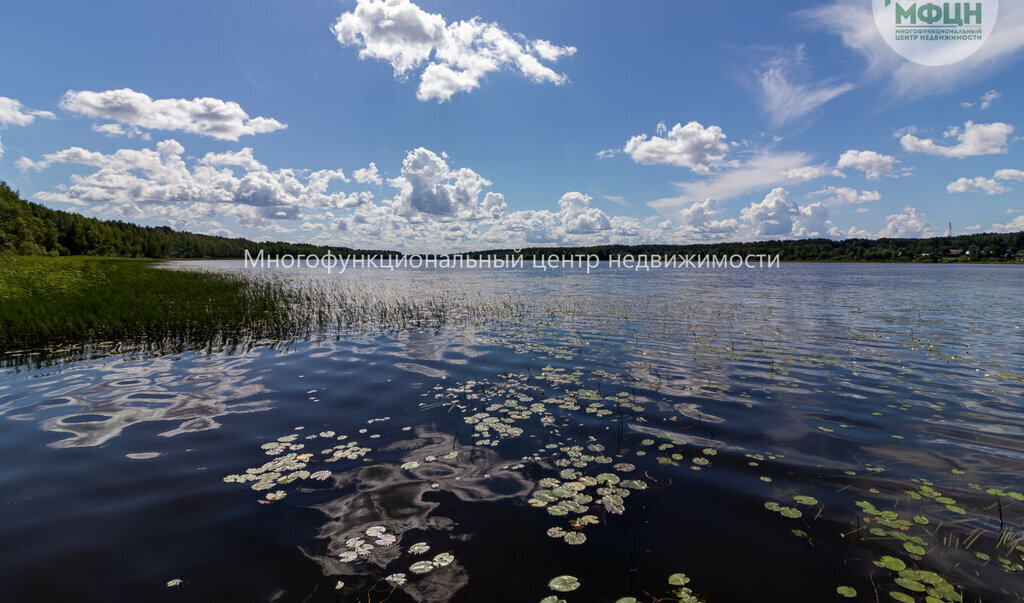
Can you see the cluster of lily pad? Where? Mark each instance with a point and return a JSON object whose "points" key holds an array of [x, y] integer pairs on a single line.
{"points": [[290, 464], [791, 512], [359, 547]]}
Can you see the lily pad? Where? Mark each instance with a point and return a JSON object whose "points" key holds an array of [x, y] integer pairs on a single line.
{"points": [[575, 537], [790, 512], [421, 567], [564, 584], [443, 559], [893, 563], [912, 585], [174, 583], [419, 548], [805, 500], [846, 591], [679, 579], [913, 548]]}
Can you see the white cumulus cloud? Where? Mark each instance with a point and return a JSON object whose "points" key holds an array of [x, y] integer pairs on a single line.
{"points": [[692, 146], [873, 164], [13, 113], [1015, 225], [909, 224], [428, 186], [973, 139], [457, 55], [368, 175], [1017, 175], [967, 185], [225, 120]]}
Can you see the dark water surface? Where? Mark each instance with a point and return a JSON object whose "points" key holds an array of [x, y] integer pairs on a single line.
{"points": [[623, 428]]}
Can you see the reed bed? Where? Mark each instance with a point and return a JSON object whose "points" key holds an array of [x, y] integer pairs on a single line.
{"points": [[61, 308]]}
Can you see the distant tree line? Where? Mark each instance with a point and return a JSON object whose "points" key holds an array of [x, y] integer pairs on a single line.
{"points": [[32, 229], [984, 247]]}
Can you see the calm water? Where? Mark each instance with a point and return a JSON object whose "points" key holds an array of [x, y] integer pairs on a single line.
{"points": [[625, 427]]}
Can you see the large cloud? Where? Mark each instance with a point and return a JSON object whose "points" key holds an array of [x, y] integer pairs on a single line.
{"points": [[909, 224], [205, 116], [428, 186], [159, 182], [692, 146], [980, 183], [434, 206], [873, 164], [773, 216], [972, 140], [457, 55]]}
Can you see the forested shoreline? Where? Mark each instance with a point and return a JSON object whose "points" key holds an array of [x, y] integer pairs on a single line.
{"points": [[28, 228]]}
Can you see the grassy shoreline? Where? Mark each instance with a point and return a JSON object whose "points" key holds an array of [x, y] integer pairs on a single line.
{"points": [[65, 308], [48, 302]]}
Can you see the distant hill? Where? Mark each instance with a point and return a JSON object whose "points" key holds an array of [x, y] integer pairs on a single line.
{"points": [[32, 229]]}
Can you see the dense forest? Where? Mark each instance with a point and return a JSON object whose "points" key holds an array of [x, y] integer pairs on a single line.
{"points": [[32, 229]]}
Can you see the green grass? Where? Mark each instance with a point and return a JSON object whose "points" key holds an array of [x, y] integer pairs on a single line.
{"points": [[48, 303], [60, 308]]}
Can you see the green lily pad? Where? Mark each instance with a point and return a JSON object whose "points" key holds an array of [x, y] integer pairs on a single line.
{"points": [[564, 584], [790, 512], [679, 579], [893, 563], [913, 548], [805, 500], [912, 585], [575, 537], [901, 597], [846, 591]]}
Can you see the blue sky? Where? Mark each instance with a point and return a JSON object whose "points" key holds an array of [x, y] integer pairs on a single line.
{"points": [[503, 124]]}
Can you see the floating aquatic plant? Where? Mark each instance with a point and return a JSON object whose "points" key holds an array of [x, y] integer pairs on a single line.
{"points": [[564, 584]]}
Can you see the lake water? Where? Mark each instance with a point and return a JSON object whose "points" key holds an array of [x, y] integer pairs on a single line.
{"points": [[775, 434]]}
